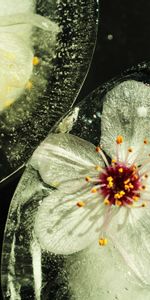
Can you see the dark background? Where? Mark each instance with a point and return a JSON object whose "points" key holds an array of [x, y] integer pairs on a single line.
{"points": [[128, 22], [123, 41]]}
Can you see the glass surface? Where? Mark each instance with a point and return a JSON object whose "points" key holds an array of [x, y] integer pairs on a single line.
{"points": [[46, 48], [29, 269]]}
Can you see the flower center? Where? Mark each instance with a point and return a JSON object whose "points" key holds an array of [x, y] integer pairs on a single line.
{"points": [[120, 184]]}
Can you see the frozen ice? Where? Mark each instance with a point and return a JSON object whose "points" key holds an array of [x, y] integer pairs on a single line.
{"points": [[28, 271], [142, 111], [45, 49]]}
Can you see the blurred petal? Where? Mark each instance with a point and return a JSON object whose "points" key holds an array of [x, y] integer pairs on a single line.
{"points": [[126, 112], [62, 158], [100, 273], [64, 228]]}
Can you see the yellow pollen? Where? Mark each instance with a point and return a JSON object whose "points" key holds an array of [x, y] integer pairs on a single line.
{"points": [[94, 190], [87, 178], [103, 242], [145, 141], [97, 168], [120, 170], [29, 85], [130, 150], [131, 185], [106, 201], [110, 182], [80, 204], [119, 195], [128, 186], [126, 181], [119, 139], [35, 61], [109, 179], [98, 149], [118, 203]]}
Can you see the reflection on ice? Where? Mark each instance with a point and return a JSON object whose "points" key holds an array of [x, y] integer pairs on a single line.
{"points": [[17, 49], [28, 18]]}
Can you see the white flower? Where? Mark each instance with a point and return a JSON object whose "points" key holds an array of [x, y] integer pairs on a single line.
{"points": [[101, 193]]}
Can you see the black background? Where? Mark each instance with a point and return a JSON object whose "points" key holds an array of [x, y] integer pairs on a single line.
{"points": [[128, 22]]}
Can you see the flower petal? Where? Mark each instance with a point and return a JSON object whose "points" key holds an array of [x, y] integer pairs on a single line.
{"points": [[64, 228], [62, 158], [132, 239], [100, 273], [126, 112]]}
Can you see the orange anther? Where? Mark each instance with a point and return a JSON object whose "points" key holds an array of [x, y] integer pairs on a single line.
{"points": [[135, 198], [130, 150], [94, 190], [80, 204], [106, 201], [119, 139], [118, 203], [145, 141], [113, 161], [135, 177], [87, 178], [103, 242], [98, 149], [143, 204]]}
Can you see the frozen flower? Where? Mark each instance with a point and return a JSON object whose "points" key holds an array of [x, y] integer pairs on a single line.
{"points": [[100, 193]]}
